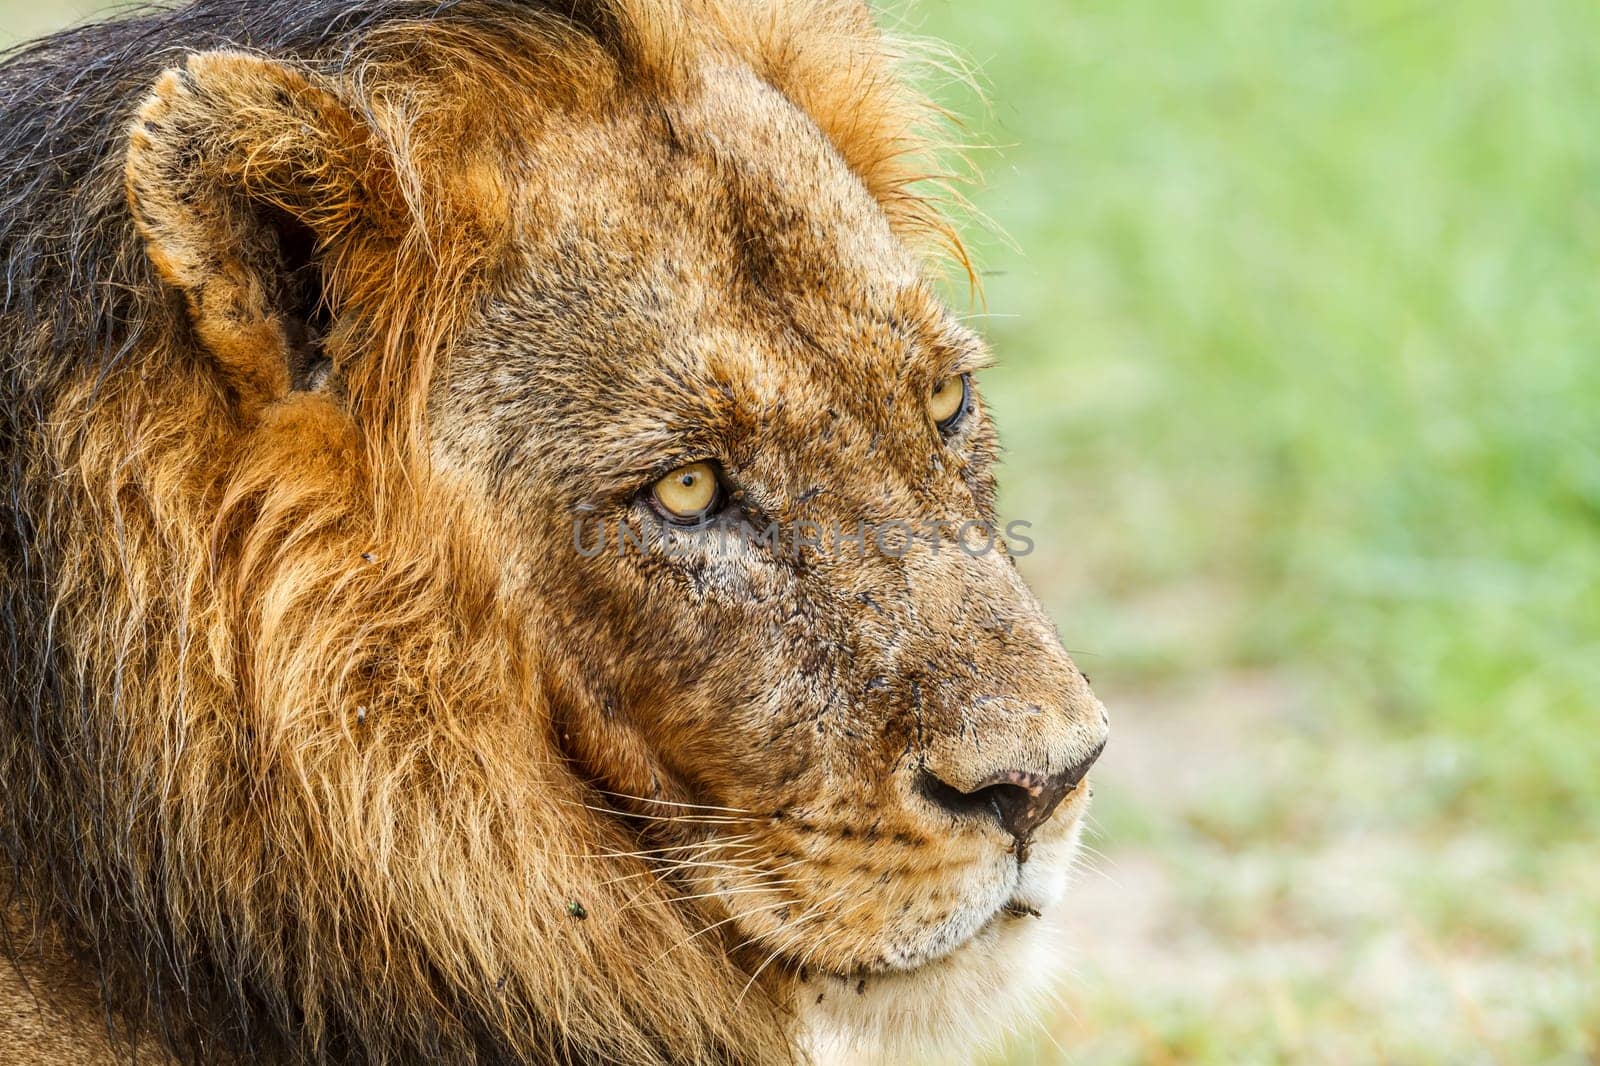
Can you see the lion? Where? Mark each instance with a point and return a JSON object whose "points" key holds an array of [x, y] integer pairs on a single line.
{"points": [[330, 326]]}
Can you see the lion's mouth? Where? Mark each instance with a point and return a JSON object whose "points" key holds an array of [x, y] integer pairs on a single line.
{"points": [[1013, 910], [1008, 906]]}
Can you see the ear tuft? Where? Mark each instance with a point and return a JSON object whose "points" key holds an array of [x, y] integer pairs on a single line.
{"points": [[243, 174]]}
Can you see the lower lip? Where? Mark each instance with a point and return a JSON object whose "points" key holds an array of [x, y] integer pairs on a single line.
{"points": [[1015, 910]]}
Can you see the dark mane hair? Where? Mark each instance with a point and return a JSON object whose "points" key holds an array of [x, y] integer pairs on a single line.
{"points": [[73, 264]]}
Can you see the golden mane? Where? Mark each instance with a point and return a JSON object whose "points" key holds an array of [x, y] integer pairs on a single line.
{"points": [[270, 726]]}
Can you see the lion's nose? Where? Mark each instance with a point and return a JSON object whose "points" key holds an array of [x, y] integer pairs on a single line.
{"points": [[1020, 801]]}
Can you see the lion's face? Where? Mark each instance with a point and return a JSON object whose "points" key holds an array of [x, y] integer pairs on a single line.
{"points": [[554, 517], [868, 752]]}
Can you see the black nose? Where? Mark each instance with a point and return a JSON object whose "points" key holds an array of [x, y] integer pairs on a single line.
{"points": [[1019, 800]]}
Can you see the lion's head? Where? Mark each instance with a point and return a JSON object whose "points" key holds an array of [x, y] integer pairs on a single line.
{"points": [[484, 551]]}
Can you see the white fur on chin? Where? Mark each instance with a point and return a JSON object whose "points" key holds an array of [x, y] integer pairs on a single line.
{"points": [[949, 1010]]}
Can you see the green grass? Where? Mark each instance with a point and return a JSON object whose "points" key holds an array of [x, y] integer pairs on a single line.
{"points": [[1300, 343], [1301, 376], [1306, 319], [20, 21]]}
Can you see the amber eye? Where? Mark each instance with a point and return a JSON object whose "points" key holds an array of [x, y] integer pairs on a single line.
{"points": [[689, 494], [949, 402]]}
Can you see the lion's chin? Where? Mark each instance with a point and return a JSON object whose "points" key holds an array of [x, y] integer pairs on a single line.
{"points": [[971, 997]]}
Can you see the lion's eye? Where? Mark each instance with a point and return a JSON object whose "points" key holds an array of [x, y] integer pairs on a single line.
{"points": [[950, 402], [689, 494]]}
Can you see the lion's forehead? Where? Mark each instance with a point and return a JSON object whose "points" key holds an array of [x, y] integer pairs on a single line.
{"points": [[726, 207]]}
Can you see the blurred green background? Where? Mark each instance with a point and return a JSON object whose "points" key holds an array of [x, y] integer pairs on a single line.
{"points": [[1299, 328]]}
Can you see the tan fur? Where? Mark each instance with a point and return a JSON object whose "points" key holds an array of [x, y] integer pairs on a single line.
{"points": [[374, 744]]}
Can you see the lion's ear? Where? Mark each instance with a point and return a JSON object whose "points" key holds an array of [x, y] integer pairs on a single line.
{"points": [[247, 178]]}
